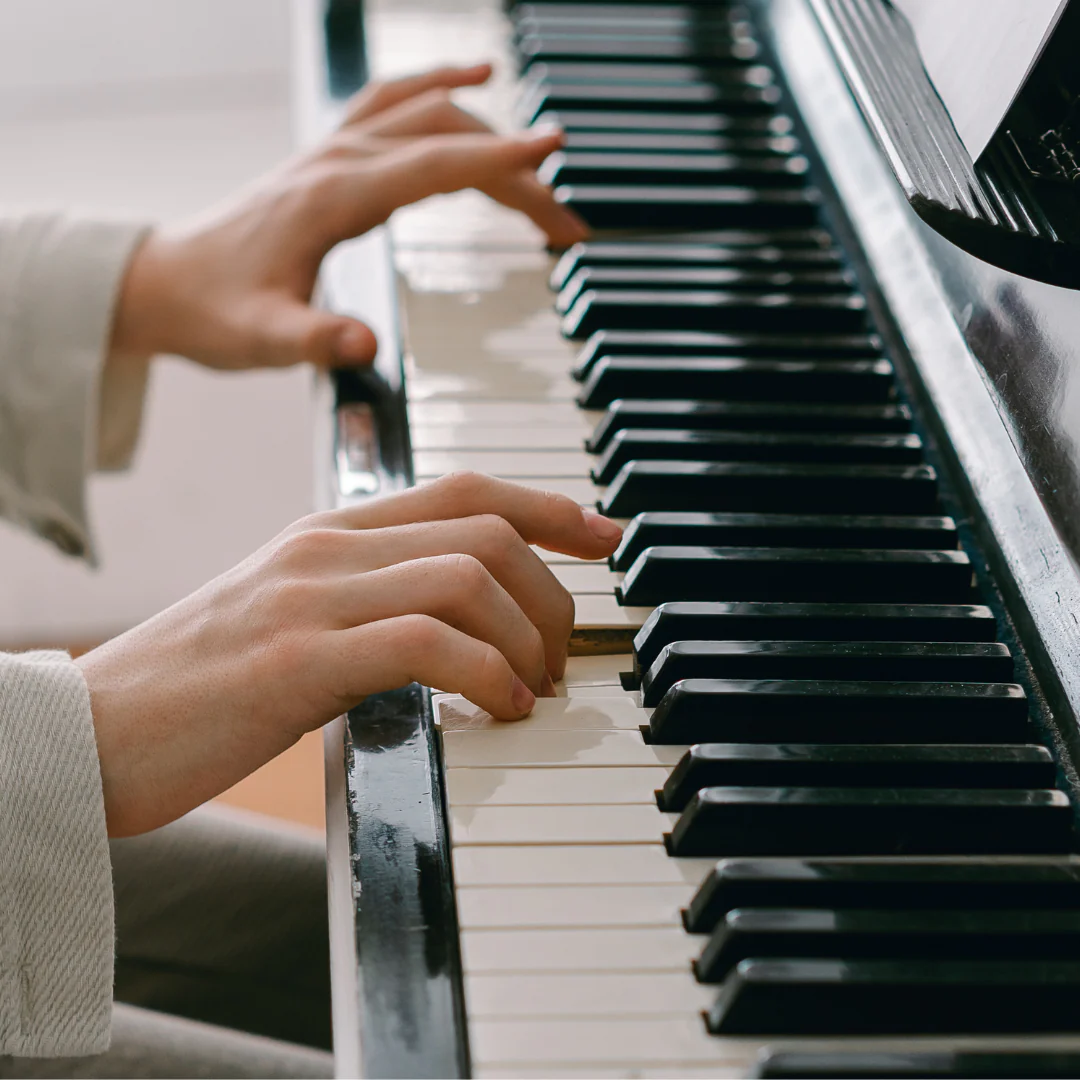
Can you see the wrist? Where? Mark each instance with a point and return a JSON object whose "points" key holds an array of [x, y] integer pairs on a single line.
{"points": [[142, 323]]}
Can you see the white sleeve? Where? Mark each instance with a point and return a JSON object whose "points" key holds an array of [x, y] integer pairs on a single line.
{"points": [[61, 412], [56, 907]]}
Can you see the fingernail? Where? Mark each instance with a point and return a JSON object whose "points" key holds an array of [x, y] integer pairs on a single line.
{"points": [[547, 686], [601, 527], [544, 131], [353, 343], [521, 697]]}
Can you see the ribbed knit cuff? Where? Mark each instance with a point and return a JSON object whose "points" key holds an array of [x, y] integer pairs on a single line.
{"points": [[56, 894]]}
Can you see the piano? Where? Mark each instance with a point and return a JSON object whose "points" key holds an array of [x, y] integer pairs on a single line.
{"points": [[806, 802]]}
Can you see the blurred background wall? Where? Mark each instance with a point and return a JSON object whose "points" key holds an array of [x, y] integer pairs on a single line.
{"points": [[154, 109]]}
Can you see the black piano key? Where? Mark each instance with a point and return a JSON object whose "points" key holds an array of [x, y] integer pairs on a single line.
{"points": [[681, 142], [610, 167], [758, 279], [887, 935], [743, 621], [735, 378], [725, 821], [882, 997], [632, 444], [638, 257], [551, 48], [827, 489], [629, 206], [749, 416], [828, 575], [706, 97], [605, 344], [869, 765], [993, 1064], [639, 74], [931, 533], [716, 309], [969, 883], [825, 711], [886, 661], [679, 18], [687, 123]]}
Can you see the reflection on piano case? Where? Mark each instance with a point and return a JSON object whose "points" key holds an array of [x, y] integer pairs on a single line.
{"points": [[837, 649]]}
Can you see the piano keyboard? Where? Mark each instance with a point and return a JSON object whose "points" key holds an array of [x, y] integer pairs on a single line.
{"points": [[793, 785]]}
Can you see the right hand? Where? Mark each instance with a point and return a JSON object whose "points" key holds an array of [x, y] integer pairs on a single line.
{"points": [[436, 585]]}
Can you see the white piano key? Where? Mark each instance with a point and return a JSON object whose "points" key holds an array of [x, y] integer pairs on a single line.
{"points": [[585, 949], [571, 905], [597, 670], [623, 995], [519, 745], [623, 824], [470, 413], [517, 277], [497, 436], [456, 713], [664, 1042], [596, 612], [590, 579], [554, 787], [465, 219], [525, 464], [429, 384], [562, 690], [613, 864], [557, 558], [581, 491]]}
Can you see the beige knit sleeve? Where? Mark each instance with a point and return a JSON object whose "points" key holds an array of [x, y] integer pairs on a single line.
{"points": [[56, 896], [61, 413]]}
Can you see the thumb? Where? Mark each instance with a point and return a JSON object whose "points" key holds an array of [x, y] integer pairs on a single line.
{"points": [[297, 333]]}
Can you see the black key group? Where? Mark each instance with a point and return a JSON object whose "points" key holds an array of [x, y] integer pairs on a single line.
{"points": [[896, 843]]}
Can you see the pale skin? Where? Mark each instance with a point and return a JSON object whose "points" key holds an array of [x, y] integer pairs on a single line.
{"points": [[438, 584]]}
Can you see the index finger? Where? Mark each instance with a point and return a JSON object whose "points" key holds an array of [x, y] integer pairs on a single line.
{"points": [[377, 97], [544, 518]]}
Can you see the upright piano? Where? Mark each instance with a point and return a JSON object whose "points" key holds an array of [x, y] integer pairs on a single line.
{"points": [[806, 803]]}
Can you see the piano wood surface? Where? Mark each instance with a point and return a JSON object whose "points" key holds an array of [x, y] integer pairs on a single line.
{"points": [[574, 957]]}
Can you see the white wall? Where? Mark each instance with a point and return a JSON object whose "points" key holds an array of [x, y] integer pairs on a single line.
{"points": [[154, 108]]}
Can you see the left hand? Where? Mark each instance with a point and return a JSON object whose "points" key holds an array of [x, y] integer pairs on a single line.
{"points": [[233, 288]]}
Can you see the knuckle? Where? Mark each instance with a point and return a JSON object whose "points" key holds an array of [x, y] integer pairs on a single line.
{"points": [[497, 536], [418, 634], [309, 548], [467, 574], [465, 485]]}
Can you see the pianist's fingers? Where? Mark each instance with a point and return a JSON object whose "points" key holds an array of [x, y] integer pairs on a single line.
{"points": [[501, 166], [544, 518], [457, 589], [379, 96], [430, 113], [493, 544]]}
